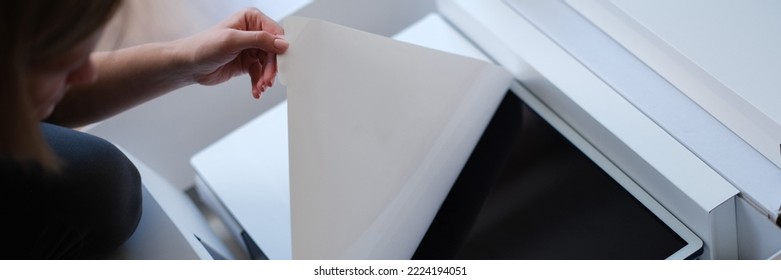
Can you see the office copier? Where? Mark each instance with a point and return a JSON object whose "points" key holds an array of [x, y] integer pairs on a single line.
{"points": [[670, 102]]}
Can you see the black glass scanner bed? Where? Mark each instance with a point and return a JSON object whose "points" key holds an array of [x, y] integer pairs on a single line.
{"points": [[544, 199]]}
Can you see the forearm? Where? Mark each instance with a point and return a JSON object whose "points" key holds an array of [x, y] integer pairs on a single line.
{"points": [[127, 77], [247, 42]]}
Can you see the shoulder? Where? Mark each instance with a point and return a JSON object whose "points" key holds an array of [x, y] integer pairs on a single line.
{"points": [[88, 158]]}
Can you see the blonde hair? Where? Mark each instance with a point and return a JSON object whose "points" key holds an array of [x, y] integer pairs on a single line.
{"points": [[37, 31]]}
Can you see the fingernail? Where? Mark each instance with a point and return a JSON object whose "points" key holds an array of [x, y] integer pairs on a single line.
{"points": [[281, 44]]}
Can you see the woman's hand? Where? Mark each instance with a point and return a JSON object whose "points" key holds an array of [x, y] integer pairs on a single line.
{"points": [[247, 42]]}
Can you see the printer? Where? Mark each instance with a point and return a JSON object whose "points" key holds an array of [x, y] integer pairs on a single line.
{"points": [[670, 100]]}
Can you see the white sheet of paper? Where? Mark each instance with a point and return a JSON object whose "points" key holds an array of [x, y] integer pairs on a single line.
{"points": [[378, 132]]}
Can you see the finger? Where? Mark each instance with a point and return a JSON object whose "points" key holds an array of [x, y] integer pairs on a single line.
{"points": [[255, 72], [271, 25], [257, 20], [269, 69]]}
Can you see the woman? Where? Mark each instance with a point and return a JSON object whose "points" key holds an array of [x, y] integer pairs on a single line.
{"points": [[66, 194]]}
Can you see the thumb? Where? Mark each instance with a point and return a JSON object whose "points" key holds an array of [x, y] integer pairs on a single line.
{"points": [[263, 40]]}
